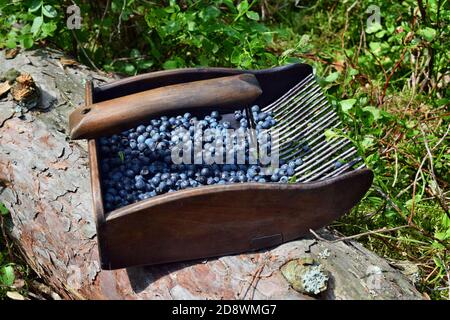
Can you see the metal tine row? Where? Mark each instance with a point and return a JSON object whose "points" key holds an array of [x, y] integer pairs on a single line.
{"points": [[277, 104], [327, 166], [317, 135], [328, 119], [305, 105], [343, 168], [303, 115], [322, 155], [299, 100], [295, 99], [305, 150]]}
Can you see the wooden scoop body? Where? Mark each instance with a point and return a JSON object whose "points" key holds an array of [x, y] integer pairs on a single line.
{"points": [[119, 114]]}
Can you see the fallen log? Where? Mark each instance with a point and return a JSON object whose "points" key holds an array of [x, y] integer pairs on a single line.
{"points": [[45, 183]]}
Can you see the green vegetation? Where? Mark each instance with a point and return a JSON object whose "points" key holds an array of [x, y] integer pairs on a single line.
{"points": [[389, 81]]}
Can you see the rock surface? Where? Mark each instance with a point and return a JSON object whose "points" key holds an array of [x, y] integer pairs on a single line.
{"points": [[44, 181]]}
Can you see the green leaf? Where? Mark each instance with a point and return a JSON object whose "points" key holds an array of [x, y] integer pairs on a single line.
{"points": [[35, 6], [209, 13], [332, 77], [380, 34], [373, 27], [292, 179], [230, 5], [242, 6], [427, 33], [36, 26], [367, 142], [191, 25], [375, 47], [330, 134], [144, 64], [252, 15], [375, 112], [129, 68], [48, 28], [27, 41], [134, 53], [346, 105], [445, 221], [170, 64], [7, 276], [49, 11], [121, 156], [3, 210], [11, 43]]}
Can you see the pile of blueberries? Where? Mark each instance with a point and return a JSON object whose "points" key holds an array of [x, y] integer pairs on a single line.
{"points": [[137, 164]]}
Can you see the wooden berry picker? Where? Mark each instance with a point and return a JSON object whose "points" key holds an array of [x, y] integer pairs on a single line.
{"points": [[196, 163]]}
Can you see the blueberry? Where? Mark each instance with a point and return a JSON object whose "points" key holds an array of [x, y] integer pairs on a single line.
{"points": [[274, 178], [266, 125], [140, 129], [215, 115], [129, 173], [155, 181], [141, 146], [251, 173], [140, 139], [255, 108], [284, 179], [290, 171], [205, 172]]}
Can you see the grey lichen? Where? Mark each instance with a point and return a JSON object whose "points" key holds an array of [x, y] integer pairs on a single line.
{"points": [[306, 275], [324, 254], [314, 280]]}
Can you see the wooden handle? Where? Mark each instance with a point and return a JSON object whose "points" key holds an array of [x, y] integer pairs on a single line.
{"points": [[119, 114]]}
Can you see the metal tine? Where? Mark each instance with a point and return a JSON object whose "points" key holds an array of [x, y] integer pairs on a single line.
{"points": [[289, 93], [301, 146], [324, 155], [297, 149], [296, 129], [313, 114], [307, 155], [304, 113], [303, 104], [342, 168], [325, 167], [299, 101], [315, 125], [296, 99], [318, 133], [280, 105], [313, 162], [320, 146], [293, 128]]}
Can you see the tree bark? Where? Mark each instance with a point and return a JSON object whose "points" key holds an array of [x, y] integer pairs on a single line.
{"points": [[45, 183]]}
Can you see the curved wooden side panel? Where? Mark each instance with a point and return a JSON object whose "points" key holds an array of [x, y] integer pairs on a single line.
{"points": [[274, 82], [218, 220]]}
